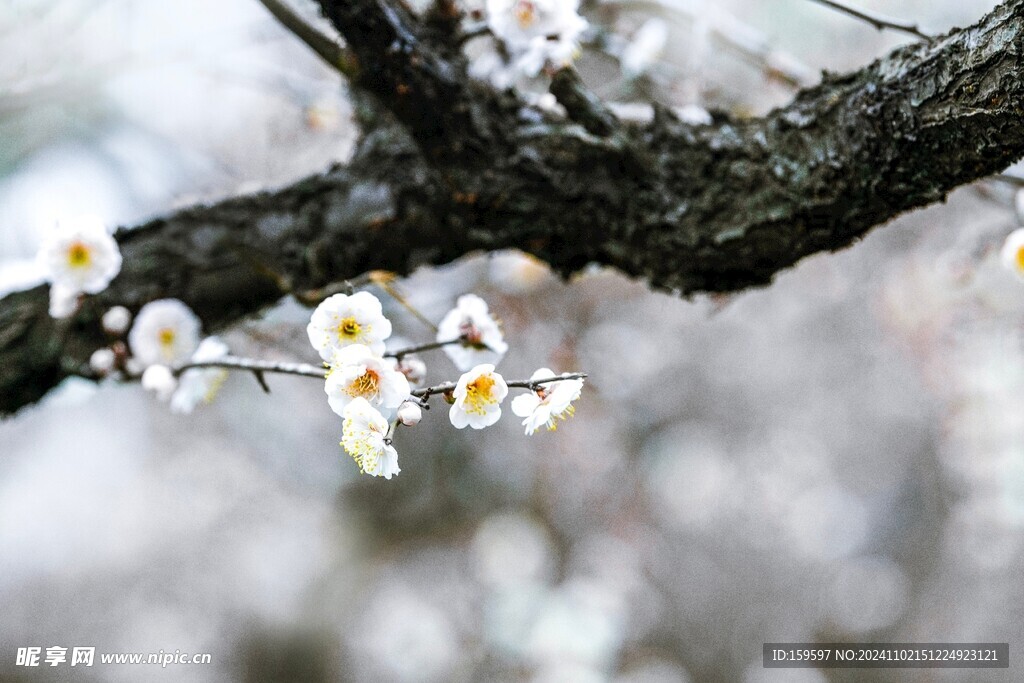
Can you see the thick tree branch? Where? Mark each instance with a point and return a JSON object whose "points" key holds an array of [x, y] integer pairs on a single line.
{"points": [[707, 208]]}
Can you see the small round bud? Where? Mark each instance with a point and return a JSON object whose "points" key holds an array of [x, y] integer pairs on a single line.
{"points": [[449, 397], [414, 370], [409, 414], [63, 301], [102, 361], [117, 320], [159, 379]]}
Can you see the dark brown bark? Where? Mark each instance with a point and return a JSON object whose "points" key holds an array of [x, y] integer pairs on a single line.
{"points": [[689, 208]]}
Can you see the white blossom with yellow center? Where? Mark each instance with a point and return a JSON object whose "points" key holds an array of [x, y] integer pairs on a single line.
{"points": [[165, 331], [1012, 253], [478, 396], [342, 320], [364, 437], [549, 403], [200, 385], [484, 341], [357, 372], [81, 257]]}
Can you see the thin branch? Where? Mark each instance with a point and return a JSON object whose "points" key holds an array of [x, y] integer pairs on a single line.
{"points": [[326, 46], [531, 384], [878, 21], [429, 346]]}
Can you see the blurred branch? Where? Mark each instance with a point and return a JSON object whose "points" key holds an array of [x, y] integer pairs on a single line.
{"points": [[320, 42], [461, 167], [879, 22]]}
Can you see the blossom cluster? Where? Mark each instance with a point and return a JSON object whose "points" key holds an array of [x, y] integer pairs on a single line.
{"points": [[535, 34], [372, 391]]}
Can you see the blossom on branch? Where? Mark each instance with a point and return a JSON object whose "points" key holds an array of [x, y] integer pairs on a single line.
{"points": [[166, 331], [81, 258], [547, 404], [364, 437], [160, 380], [1012, 253], [357, 372], [483, 340], [342, 320], [200, 385], [537, 32], [478, 396]]}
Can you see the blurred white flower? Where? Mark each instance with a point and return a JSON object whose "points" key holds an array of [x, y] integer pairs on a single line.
{"points": [[1012, 253], [165, 331], [342, 320], [695, 115], [646, 47], [117, 320], [414, 369], [549, 403], [515, 272], [537, 32], [81, 256], [484, 341], [102, 360], [63, 301], [357, 372], [200, 385], [478, 396], [410, 414], [160, 380], [364, 437]]}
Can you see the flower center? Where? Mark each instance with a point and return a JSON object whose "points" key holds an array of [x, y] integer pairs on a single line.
{"points": [[78, 255], [526, 13], [348, 328], [365, 385], [479, 395], [166, 336], [1020, 258], [471, 334]]}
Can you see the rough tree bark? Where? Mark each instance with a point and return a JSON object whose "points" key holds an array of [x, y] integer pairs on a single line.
{"points": [[463, 167]]}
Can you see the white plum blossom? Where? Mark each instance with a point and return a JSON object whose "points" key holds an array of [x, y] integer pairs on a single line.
{"points": [[342, 320], [200, 385], [160, 380], [102, 360], [409, 414], [1012, 253], [478, 396], [537, 32], [166, 331], [484, 342], [63, 301], [82, 257], [646, 47], [364, 437], [117, 320], [357, 372], [414, 369], [550, 402]]}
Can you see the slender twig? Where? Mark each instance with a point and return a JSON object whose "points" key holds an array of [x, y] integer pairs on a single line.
{"points": [[319, 41], [429, 346], [473, 31], [1009, 179], [879, 22]]}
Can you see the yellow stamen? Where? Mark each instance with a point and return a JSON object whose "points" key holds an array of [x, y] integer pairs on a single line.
{"points": [[478, 395], [348, 329], [366, 384], [1020, 259], [79, 255], [166, 336], [525, 13]]}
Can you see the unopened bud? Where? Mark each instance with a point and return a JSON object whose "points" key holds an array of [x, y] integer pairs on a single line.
{"points": [[102, 361], [117, 320], [159, 379], [409, 414]]}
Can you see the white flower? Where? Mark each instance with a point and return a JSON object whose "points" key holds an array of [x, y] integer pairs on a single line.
{"points": [[63, 301], [117, 320], [159, 379], [82, 257], [364, 437], [645, 48], [484, 340], [342, 320], [165, 331], [478, 396], [537, 32], [357, 372], [102, 361], [200, 385], [1012, 254], [550, 402], [409, 414], [414, 369]]}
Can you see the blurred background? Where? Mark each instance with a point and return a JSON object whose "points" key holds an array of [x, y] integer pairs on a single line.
{"points": [[838, 457]]}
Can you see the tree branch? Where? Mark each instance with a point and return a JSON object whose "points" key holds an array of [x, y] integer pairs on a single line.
{"points": [[718, 207], [879, 22]]}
